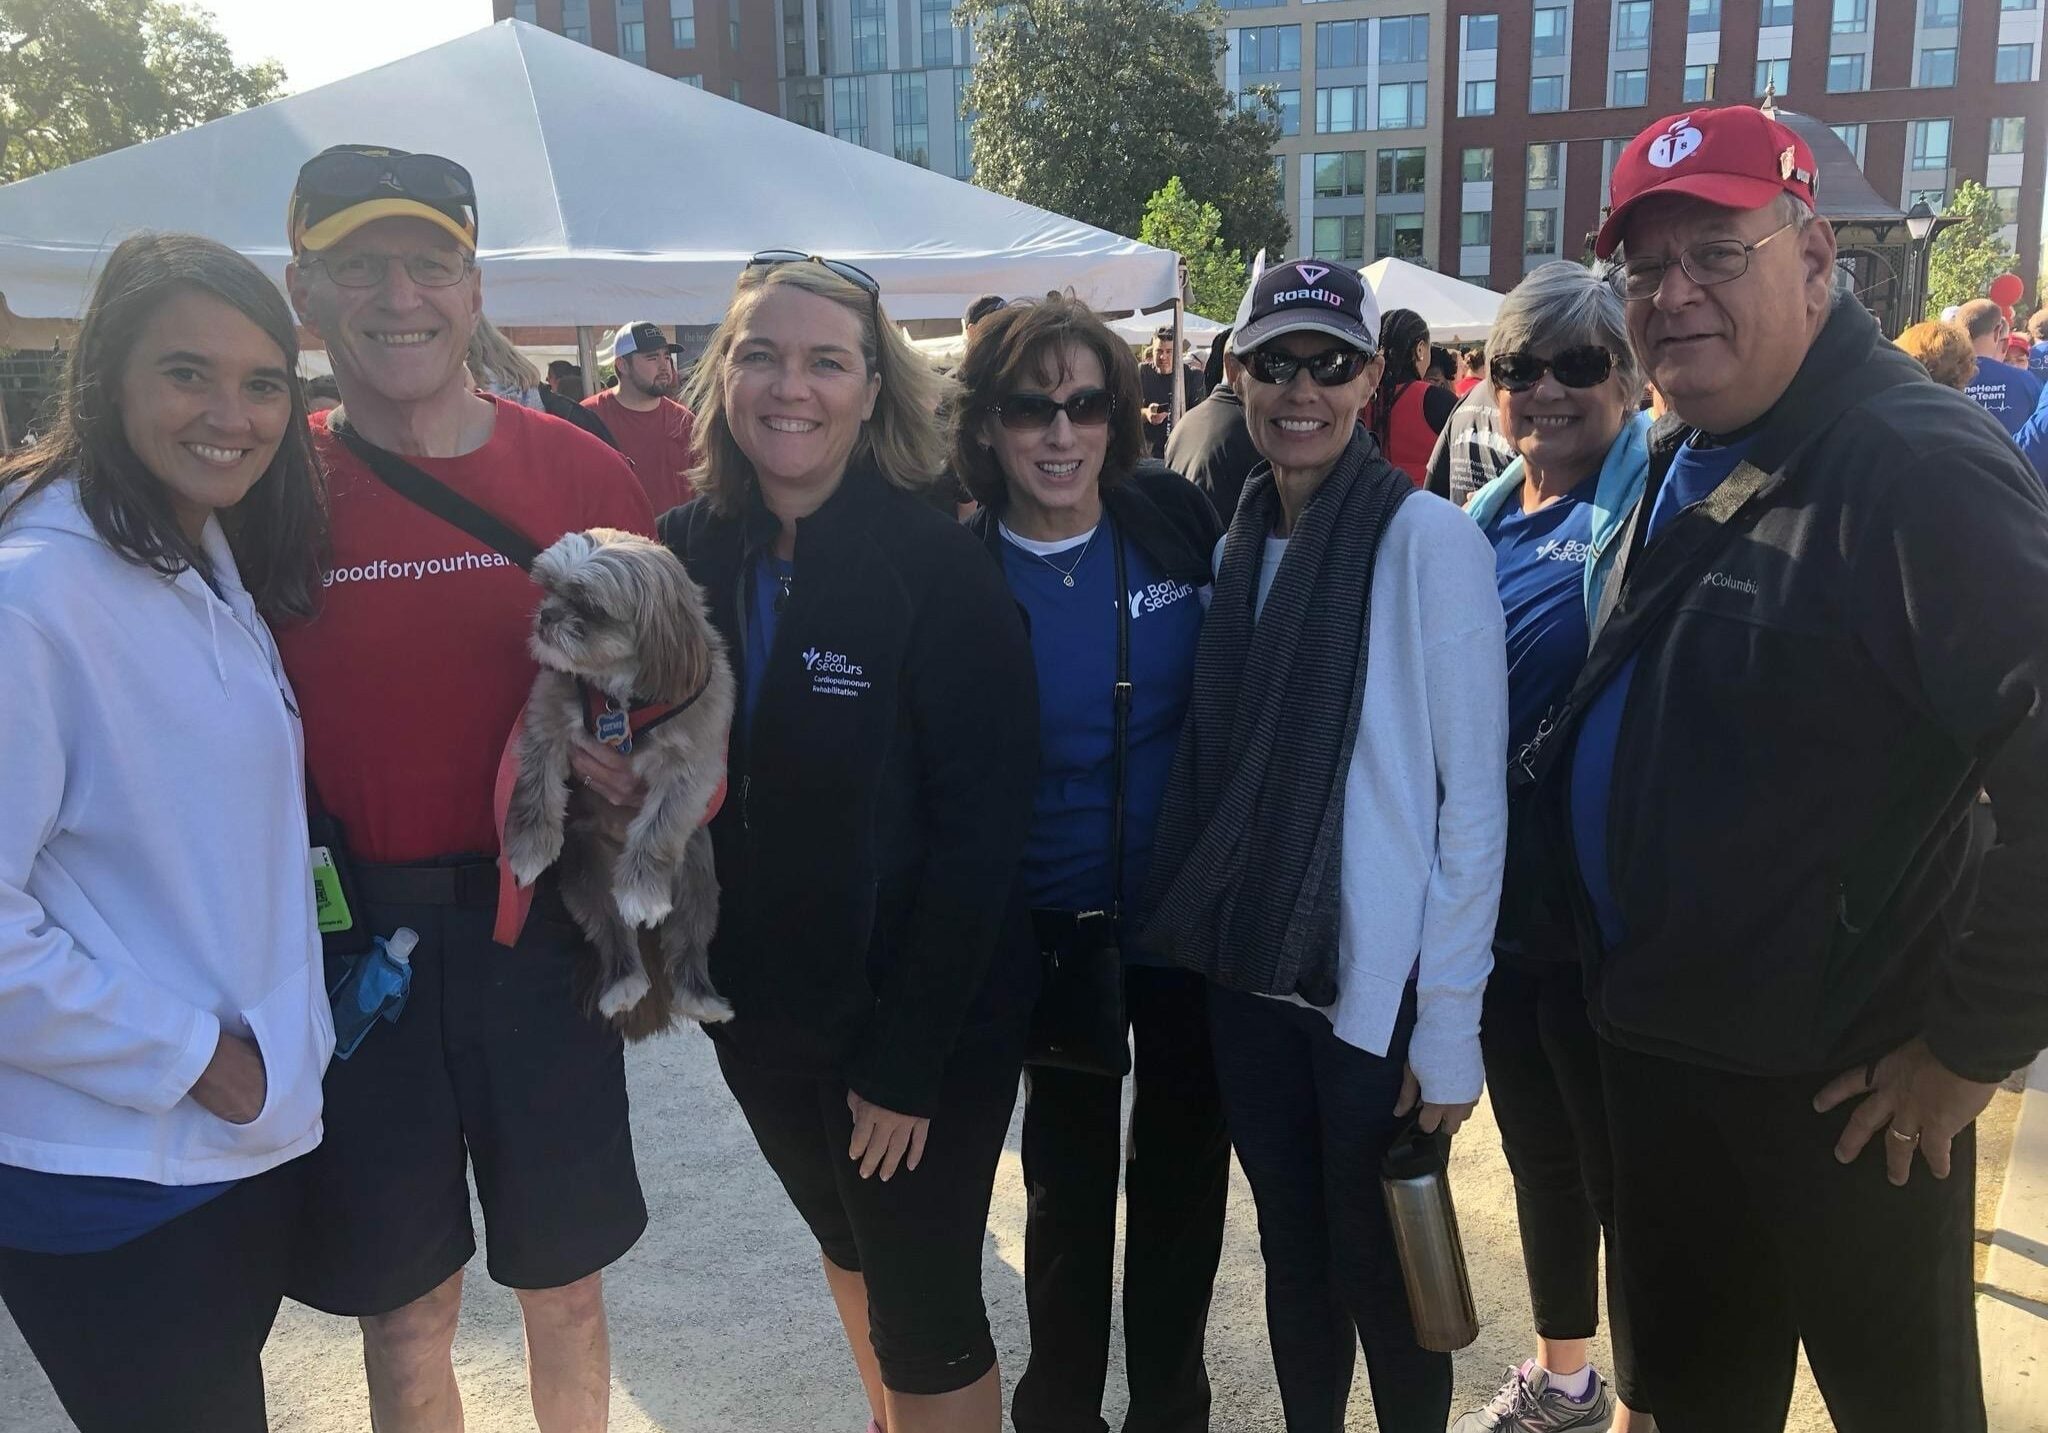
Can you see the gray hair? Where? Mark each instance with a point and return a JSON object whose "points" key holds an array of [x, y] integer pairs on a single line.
{"points": [[1563, 305]]}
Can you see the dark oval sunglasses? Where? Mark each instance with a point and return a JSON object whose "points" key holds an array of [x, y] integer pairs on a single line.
{"points": [[1332, 368], [1587, 366], [1089, 408]]}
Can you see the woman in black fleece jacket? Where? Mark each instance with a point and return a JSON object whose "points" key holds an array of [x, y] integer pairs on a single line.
{"points": [[870, 937]]}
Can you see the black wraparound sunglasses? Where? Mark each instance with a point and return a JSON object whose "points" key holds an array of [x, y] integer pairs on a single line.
{"points": [[1332, 368], [1089, 408], [1587, 366]]}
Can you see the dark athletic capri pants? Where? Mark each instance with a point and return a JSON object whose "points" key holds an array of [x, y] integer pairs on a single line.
{"points": [[494, 1065], [164, 1333], [917, 1239]]}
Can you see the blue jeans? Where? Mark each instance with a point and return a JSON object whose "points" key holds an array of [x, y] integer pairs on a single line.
{"points": [[1311, 1117]]}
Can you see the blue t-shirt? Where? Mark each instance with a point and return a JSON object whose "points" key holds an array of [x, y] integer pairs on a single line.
{"points": [[1539, 563], [765, 595], [42, 1213], [2008, 394], [1073, 644], [1694, 473]]}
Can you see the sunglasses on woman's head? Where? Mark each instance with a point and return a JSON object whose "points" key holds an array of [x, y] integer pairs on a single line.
{"points": [[859, 278], [1587, 366], [1089, 408], [1332, 368]]}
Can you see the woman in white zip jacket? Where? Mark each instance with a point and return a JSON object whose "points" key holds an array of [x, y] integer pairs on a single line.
{"points": [[162, 1025]]}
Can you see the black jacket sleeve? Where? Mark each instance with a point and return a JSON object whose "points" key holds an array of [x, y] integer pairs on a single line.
{"points": [[1438, 404], [1952, 579], [972, 694]]}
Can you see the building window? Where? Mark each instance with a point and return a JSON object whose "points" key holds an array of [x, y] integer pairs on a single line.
{"points": [[1340, 238], [1845, 74], [1404, 40], [732, 32], [1703, 17], [2009, 136], [526, 10], [913, 119], [870, 37], [1546, 35], [1397, 236], [1539, 231], [1482, 32], [1477, 165], [1287, 102], [695, 82], [1699, 83], [633, 38], [2016, 4], [2008, 204], [1337, 46], [1475, 228], [1253, 4], [935, 32], [1632, 25], [1940, 14], [1852, 136], [1773, 75], [1630, 88], [1404, 105], [1937, 69], [807, 103], [1935, 199], [1270, 49], [682, 24], [1478, 98], [1546, 94], [1775, 13], [1543, 165], [1340, 109], [1280, 180], [850, 110], [1852, 17], [2015, 65], [1340, 176], [1401, 171], [1930, 143]]}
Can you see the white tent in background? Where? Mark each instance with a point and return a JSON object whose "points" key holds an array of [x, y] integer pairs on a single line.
{"points": [[577, 228], [1140, 327], [1454, 308]]}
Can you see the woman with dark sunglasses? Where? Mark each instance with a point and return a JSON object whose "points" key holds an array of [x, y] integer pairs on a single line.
{"points": [[1329, 850], [1565, 383], [1106, 552], [869, 935]]}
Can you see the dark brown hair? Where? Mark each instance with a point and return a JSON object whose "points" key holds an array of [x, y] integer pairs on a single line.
{"points": [[277, 532], [1023, 349]]}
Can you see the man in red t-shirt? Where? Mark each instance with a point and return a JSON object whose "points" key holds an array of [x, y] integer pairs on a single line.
{"points": [[652, 429], [411, 677]]}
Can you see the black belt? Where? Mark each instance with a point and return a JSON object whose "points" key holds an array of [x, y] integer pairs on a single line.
{"points": [[473, 884]]}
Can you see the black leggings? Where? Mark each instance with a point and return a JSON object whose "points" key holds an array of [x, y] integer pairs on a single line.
{"points": [[166, 1332]]}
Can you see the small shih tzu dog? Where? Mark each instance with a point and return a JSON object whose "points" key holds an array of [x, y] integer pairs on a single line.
{"points": [[628, 657]]}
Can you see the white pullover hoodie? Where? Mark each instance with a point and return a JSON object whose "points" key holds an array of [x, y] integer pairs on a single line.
{"points": [[155, 888]]}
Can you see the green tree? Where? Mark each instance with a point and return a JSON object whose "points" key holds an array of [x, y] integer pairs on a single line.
{"points": [[1089, 107], [1216, 277], [1969, 255], [81, 77]]}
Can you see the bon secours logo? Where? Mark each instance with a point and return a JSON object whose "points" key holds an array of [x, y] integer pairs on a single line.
{"points": [[817, 661]]}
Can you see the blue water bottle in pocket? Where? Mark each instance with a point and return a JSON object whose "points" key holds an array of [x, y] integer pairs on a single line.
{"points": [[374, 986]]}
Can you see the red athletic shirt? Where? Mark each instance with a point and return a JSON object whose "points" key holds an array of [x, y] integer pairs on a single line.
{"points": [[657, 442], [414, 671]]}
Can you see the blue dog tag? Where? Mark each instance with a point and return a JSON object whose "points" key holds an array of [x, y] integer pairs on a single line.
{"points": [[615, 731]]}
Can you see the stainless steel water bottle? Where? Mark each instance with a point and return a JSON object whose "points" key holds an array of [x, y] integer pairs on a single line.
{"points": [[1415, 1179]]}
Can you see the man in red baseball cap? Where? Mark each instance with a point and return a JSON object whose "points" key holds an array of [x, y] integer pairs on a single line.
{"points": [[1808, 964]]}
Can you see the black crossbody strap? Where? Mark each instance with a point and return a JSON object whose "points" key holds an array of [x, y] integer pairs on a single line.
{"points": [[1121, 698], [426, 491]]}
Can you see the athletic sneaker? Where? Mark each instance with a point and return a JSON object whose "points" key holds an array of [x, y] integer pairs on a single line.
{"points": [[1527, 1403]]}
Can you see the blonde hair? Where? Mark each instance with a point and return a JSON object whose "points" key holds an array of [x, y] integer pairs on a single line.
{"points": [[494, 363], [1944, 350], [905, 436]]}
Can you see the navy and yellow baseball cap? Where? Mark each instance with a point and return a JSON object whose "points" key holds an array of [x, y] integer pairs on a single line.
{"points": [[343, 188]]}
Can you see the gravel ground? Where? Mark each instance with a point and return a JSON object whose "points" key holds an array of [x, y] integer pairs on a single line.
{"points": [[721, 1324]]}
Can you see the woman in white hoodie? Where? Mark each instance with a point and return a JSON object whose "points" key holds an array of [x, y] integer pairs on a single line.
{"points": [[162, 1025]]}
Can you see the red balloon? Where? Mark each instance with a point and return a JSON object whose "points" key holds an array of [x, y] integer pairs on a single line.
{"points": [[2006, 290]]}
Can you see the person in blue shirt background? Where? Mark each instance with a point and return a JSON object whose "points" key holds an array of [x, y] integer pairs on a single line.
{"points": [[2037, 349], [1092, 539], [2007, 393], [1564, 383]]}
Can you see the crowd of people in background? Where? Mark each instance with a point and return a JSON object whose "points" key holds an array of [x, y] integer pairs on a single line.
{"points": [[1643, 717]]}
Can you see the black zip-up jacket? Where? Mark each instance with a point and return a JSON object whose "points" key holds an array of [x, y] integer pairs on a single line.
{"points": [[1805, 735], [1212, 448], [1165, 516], [876, 811]]}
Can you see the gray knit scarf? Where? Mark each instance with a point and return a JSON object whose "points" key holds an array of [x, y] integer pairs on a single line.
{"points": [[1246, 858]]}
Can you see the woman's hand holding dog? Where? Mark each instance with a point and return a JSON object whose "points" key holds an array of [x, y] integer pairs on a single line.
{"points": [[883, 1139], [608, 774]]}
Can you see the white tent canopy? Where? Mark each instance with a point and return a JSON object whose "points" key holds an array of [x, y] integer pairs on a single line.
{"points": [[578, 227], [1454, 308]]}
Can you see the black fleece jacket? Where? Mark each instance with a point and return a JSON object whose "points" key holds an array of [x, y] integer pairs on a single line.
{"points": [[867, 851]]}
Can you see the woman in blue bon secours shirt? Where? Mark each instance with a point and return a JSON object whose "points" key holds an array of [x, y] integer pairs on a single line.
{"points": [[162, 1025], [1092, 538], [1566, 386]]}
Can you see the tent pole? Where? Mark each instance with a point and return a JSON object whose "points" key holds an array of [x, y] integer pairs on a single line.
{"points": [[586, 357], [6, 437], [1180, 388]]}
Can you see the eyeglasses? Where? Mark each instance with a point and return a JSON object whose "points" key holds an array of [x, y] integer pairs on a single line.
{"points": [[1718, 261], [859, 278], [1332, 368], [1587, 366], [332, 181], [1023, 412], [429, 268]]}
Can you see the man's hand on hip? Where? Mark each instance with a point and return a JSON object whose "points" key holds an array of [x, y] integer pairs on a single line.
{"points": [[1911, 1101]]}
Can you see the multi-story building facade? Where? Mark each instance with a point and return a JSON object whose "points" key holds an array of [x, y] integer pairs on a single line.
{"points": [[1475, 136]]}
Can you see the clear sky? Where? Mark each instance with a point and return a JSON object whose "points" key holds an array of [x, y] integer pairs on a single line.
{"points": [[319, 43]]}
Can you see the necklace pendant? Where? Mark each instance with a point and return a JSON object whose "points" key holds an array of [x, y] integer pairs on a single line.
{"points": [[1068, 579]]}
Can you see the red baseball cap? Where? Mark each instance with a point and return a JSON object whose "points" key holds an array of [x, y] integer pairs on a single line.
{"points": [[1737, 157]]}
